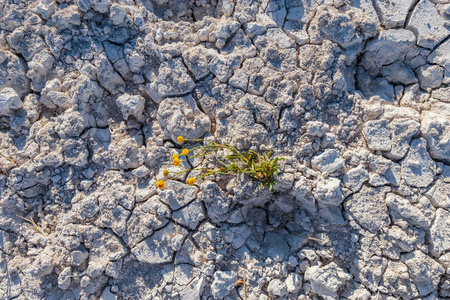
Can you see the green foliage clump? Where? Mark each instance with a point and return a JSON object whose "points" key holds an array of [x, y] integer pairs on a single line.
{"points": [[260, 167]]}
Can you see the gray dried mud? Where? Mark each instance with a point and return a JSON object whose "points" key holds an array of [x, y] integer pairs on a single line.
{"points": [[355, 94]]}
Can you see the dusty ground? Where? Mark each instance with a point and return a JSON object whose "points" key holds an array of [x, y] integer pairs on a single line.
{"points": [[354, 94]]}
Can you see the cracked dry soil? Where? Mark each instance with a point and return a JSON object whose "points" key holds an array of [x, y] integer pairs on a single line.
{"points": [[355, 94]]}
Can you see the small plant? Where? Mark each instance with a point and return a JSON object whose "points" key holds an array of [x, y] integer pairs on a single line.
{"points": [[260, 167], [10, 159], [35, 226]]}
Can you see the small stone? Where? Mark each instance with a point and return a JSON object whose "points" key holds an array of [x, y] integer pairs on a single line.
{"points": [[440, 232], [355, 178], [131, 105], [424, 270], [368, 208], [277, 287], [430, 76], [404, 213], [327, 280], [223, 283], [172, 80], [79, 256], [293, 283], [157, 249], [418, 169], [9, 101], [328, 191], [377, 135], [64, 278], [328, 162], [428, 23]]}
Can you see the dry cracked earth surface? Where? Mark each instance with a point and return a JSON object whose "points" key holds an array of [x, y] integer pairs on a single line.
{"points": [[355, 94]]}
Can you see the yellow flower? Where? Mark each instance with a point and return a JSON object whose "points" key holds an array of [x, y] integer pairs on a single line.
{"points": [[165, 172], [185, 151], [176, 162], [160, 184], [174, 155], [191, 181], [180, 139]]}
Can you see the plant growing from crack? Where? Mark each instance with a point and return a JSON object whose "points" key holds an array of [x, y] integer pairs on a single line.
{"points": [[260, 167]]}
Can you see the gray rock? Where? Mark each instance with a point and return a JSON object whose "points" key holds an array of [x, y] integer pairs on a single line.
{"points": [[194, 289], [328, 191], [46, 8], [197, 60], [9, 101], [190, 215], [117, 14], [397, 281], [368, 208], [39, 69], [65, 278], [404, 213], [67, 17], [377, 135], [177, 194], [42, 265], [408, 238], [283, 60], [435, 128], [131, 105], [275, 246], [441, 57], [429, 25], [75, 152], [430, 76], [389, 46], [79, 256], [328, 162], [316, 128], [88, 207], [327, 280], [223, 283], [293, 283], [222, 66], [418, 169], [107, 76], [277, 287], [355, 178], [13, 73], [424, 270], [440, 232], [216, 201], [302, 192], [441, 93], [394, 13], [160, 247], [402, 131], [439, 194], [386, 171], [182, 117], [172, 80], [27, 42], [146, 219], [107, 295], [398, 73], [113, 268], [330, 24]]}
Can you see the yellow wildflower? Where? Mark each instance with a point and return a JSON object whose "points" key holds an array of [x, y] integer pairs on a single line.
{"points": [[191, 181], [160, 184], [165, 172], [174, 155], [185, 151], [180, 139], [176, 162]]}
